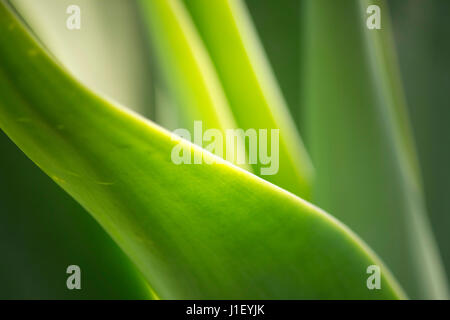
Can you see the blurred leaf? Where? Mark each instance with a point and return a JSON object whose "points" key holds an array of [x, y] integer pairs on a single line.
{"points": [[195, 231], [421, 29], [278, 26], [361, 145], [251, 89], [109, 46], [191, 90], [186, 67]]}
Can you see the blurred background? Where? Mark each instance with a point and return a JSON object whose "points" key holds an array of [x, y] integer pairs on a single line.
{"points": [[421, 34], [43, 230]]}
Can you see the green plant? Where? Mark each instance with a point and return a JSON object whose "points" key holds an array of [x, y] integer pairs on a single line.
{"points": [[198, 231]]}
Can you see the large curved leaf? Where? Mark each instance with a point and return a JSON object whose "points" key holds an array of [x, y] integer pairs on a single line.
{"points": [[43, 230], [195, 231]]}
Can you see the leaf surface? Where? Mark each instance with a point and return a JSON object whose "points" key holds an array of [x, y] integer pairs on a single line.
{"points": [[250, 86], [194, 231]]}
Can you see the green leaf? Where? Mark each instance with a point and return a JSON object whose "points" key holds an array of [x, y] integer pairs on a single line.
{"points": [[367, 173], [189, 77], [250, 86], [58, 232], [425, 64], [186, 67], [278, 28], [107, 47], [195, 231]]}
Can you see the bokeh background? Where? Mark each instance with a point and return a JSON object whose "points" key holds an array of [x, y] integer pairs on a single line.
{"points": [[43, 230]]}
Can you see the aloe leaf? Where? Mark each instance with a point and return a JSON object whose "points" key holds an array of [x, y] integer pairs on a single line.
{"points": [[249, 84], [383, 62], [190, 80], [185, 66], [278, 28], [195, 231], [360, 140], [58, 231]]}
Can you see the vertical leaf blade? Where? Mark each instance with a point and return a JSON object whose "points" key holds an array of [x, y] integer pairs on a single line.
{"points": [[359, 140]]}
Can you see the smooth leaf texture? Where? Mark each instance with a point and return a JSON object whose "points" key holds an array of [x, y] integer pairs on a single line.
{"points": [[37, 217], [195, 231], [186, 67], [361, 145], [107, 53], [250, 86], [189, 77]]}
